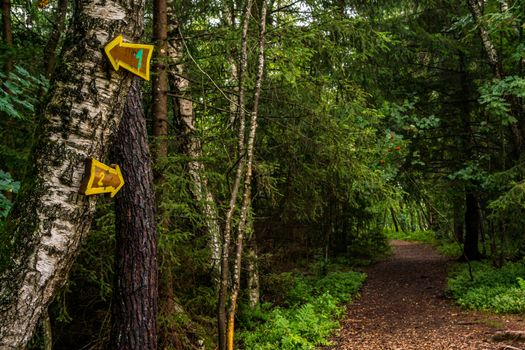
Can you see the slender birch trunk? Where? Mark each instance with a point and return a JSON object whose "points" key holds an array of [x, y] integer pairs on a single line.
{"points": [[226, 237], [246, 202], [495, 64], [50, 218], [229, 21], [252, 270], [184, 120], [490, 49]]}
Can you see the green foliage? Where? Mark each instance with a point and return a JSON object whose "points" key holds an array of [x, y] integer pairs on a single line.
{"points": [[7, 184], [308, 321], [498, 290], [19, 91], [495, 96]]}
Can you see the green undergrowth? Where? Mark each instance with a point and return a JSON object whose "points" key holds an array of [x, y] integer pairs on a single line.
{"points": [[499, 290], [445, 246], [304, 312]]}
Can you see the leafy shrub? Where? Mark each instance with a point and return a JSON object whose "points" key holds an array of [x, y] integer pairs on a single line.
{"points": [[19, 92], [314, 303], [497, 290], [340, 284]]}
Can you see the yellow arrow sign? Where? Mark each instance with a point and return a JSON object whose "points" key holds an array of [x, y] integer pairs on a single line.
{"points": [[100, 178], [133, 57]]}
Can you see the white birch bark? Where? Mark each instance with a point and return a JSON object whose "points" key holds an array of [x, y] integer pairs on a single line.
{"points": [[252, 270], [246, 201], [490, 49], [495, 63], [50, 217], [226, 237], [185, 119]]}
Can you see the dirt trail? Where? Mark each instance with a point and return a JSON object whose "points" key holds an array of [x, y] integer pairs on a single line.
{"points": [[403, 307]]}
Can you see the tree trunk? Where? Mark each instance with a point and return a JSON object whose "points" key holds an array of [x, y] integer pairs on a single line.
{"points": [[472, 222], [394, 220], [495, 64], [160, 80], [7, 33], [190, 145], [54, 38], [246, 200], [226, 235], [490, 49], [134, 311], [252, 270], [47, 331], [50, 217]]}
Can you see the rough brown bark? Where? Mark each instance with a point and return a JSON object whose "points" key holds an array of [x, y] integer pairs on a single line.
{"points": [[134, 311], [50, 218], [160, 80], [54, 38]]}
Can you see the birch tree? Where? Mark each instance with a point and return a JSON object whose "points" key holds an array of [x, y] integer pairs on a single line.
{"points": [[190, 143], [226, 235], [244, 222], [50, 217]]}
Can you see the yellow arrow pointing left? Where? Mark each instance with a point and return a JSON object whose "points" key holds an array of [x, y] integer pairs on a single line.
{"points": [[133, 57], [100, 178]]}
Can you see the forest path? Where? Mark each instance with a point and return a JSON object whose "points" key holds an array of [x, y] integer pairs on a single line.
{"points": [[402, 307]]}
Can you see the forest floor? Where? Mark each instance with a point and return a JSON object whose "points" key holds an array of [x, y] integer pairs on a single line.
{"points": [[403, 307]]}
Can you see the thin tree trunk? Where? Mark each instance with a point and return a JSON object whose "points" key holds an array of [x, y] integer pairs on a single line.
{"points": [[490, 49], [160, 80], [472, 220], [226, 236], [50, 49], [168, 333], [394, 220], [229, 21], [184, 120], [252, 270], [246, 202], [495, 64], [134, 304], [49, 218], [47, 331], [7, 33]]}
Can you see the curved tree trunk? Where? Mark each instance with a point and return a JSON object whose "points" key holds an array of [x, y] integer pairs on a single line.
{"points": [[135, 294], [50, 217]]}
